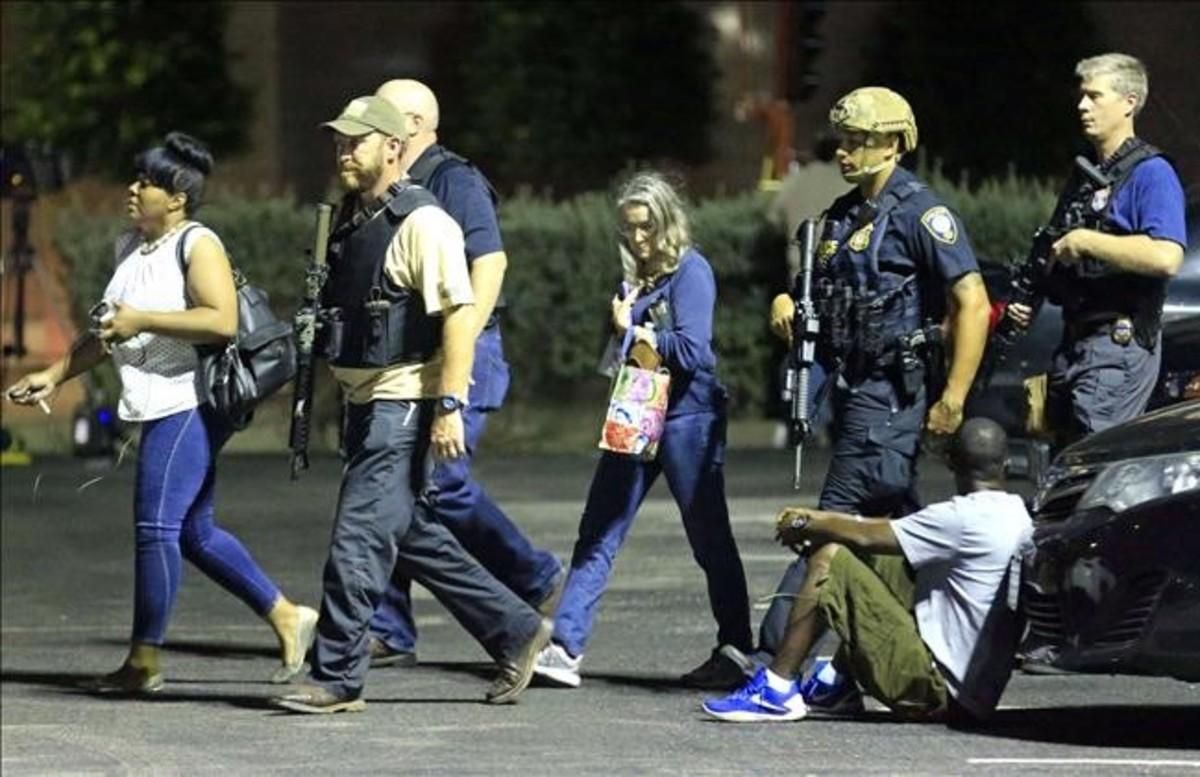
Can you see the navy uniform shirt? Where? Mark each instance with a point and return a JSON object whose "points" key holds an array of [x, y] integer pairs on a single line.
{"points": [[1150, 203], [919, 237], [464, 194]]}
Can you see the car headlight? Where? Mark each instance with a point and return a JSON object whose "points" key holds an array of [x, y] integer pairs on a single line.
{"points": [[1130, 483]]}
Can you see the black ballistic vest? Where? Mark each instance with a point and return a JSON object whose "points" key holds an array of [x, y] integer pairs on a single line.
{"points": [[373, 322], [1094, 290]]}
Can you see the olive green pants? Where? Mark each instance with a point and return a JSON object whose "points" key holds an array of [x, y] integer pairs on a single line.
{"points": [[869, 603]]}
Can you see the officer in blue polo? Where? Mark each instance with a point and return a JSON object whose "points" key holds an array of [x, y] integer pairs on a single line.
{"points": [[1109, 269], [1118, 245], [459, 501], [894, 266]]}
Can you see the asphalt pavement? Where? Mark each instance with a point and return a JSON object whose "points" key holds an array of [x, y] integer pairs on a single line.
{"points": [[67, 579]]}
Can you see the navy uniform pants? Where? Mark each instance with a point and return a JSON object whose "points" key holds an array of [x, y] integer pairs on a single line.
{"points": [[465, 508], [380, 526], [1095, 383], [873, 472], [691, 455]]}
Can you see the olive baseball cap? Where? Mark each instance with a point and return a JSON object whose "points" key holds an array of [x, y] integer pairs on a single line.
{"points": [[363, 115]]}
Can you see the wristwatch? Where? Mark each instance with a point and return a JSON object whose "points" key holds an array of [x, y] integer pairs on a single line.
{"points": [[448, 404], [800, 522]]}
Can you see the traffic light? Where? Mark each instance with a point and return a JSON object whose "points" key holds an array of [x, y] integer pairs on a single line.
{"points": [[807, 44]]}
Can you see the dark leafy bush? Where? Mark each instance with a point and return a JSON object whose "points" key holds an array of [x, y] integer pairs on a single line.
{"points": [[564, 267]]}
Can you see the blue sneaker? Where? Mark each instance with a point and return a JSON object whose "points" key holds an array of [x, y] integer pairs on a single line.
{"points": [[828, 691], [757, 702]]}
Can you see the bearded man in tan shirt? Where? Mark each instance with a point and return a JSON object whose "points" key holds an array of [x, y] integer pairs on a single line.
{"points": [[399, 294]]}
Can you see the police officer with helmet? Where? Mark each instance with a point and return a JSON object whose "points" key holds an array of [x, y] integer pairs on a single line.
{"points": [[892, 261], [1121, 239], [893, 266]]}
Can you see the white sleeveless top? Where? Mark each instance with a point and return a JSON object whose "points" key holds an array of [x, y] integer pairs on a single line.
{"points": [[158, 373]]}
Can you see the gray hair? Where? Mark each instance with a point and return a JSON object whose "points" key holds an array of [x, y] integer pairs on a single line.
{"points": [[672, 237], [1128, 75]]}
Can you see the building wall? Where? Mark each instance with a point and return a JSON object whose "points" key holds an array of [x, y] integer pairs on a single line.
{"points": [[306, 59], [1163, 35]]}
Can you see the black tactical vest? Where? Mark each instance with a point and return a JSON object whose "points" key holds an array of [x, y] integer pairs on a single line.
{"points": [[1094, 290], [374, 323], [862, 308]]}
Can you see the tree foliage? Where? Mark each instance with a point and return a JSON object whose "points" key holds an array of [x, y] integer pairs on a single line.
{"points": [[992, 84], [565, 95], [101, 81]]}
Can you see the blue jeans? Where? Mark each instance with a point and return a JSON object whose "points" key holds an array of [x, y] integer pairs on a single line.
{"points": [[466, 509], [380, 527], [691, 456], [173, 519]]}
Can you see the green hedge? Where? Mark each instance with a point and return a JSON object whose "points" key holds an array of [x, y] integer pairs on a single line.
{"points": [[564, 267]]}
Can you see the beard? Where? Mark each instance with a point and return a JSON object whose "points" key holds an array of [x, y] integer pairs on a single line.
{"points": [[356, 177]]}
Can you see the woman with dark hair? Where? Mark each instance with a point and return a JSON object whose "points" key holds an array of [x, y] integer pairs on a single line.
{"points": [[668, 298], [165, 298]]}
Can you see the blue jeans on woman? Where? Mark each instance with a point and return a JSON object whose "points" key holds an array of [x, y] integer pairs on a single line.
{"points": [[691, 456], [173, 519]]}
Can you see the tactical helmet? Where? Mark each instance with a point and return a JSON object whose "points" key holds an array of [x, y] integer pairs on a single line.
{"points": [[876, 109]]}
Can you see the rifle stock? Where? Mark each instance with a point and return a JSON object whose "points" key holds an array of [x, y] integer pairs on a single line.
{"points": [[306, 323]]}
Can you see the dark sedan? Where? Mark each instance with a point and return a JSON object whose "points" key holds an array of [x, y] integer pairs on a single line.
{"points": [[1115, 578]]}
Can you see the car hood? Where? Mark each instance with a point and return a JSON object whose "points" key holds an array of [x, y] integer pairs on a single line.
{"points": [[1170, 430], [1181, 344]]}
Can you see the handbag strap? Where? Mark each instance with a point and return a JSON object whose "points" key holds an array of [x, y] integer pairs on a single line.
{"points": [[627, 343], [180, 256]]}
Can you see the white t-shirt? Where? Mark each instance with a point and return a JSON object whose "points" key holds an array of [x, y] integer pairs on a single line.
{"points": [[961, 551], [158, 373]]}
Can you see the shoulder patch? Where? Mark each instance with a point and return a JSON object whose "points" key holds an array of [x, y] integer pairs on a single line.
{"points": [[941, 224]]}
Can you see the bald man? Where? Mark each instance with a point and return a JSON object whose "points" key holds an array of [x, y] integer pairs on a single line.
{"points": [[459, 501], [923, 604]]}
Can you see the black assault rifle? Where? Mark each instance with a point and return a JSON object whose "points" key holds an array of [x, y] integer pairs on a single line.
{"points": [[805, 326], [1030, 278], [307, 322]]}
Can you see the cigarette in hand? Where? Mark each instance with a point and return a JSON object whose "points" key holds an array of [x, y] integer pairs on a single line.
{"points": [[44, 406]]}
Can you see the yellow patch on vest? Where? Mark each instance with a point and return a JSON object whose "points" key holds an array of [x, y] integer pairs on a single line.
{"points": [[862, 238], [826, 250], [941, 224]]}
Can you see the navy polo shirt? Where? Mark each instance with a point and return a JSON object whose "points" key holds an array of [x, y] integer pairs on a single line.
{"points": [[922, 235], [1151, 203], [464, 194]]}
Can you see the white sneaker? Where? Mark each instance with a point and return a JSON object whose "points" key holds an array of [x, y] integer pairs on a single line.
{"points": [[557, 666]]}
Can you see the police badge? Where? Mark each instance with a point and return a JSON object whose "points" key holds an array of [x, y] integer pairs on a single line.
{"points": [[1100, 198], [861, 239], [826, 250]]}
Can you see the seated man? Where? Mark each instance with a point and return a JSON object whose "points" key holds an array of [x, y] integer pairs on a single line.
{"points": [[924, 605]]}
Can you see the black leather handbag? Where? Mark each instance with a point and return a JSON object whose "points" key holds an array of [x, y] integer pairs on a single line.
{"points": [[255, 364]]}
